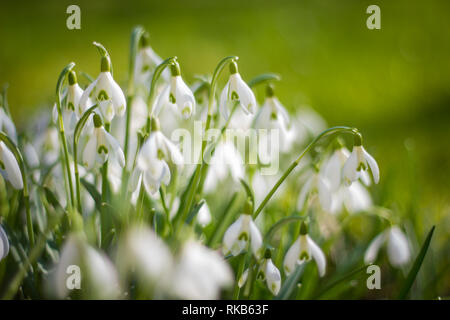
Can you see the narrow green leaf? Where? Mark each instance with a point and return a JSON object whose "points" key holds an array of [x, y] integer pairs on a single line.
{"points": [[290, 283], [93, 192], [416, 267], [194, 211]]}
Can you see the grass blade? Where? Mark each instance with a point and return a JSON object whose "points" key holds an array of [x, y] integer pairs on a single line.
{"points": [[416, 267]]}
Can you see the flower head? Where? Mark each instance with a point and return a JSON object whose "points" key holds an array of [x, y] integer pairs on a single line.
{"points": [[302, 250], [269, 273], [239, 234], [9, 168], [177, 93], [315, 183], [101, 146], [106, 92], [236, 90], [358, 162], [398, 248], [7, 125]]}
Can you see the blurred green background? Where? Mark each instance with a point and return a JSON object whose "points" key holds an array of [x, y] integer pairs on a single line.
{"points": [[393, 83]]}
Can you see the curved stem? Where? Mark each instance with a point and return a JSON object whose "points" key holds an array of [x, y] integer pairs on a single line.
{"points": [[263, 78], [294, 164], [11, 146], [103, 52], [76, 136], [62, 134], [280, 224]]}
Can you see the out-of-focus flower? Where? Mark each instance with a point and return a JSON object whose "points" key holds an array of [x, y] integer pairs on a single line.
{"points": [[398, 248], [236, 90], [200, 273], [7, 125], [315, 183], [99, 276], [32, 160], [106, 92], [9, 168], [354, 198], [143, 252], [101, 146], [239, 234], [204, 215], [177, 93], [152, 161], [4, 244], [225, 162], [359, 161], [304, 249]]}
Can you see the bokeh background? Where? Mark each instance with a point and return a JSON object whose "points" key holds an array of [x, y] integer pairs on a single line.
{"points": [[393, 83]]}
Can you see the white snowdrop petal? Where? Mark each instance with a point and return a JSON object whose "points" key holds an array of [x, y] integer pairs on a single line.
{"points": [[349, 171], [243, 278], [231, 235], [324, 194], [90, 152], [374, 247], [292, 256], [255, 239], [115, 148], [373, 166], [4, 244], [318, 256], [398, 247], [273, 277], [11, 167]]}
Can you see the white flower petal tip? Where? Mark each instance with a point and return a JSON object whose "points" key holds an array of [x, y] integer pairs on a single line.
{"points": [[302, 250], [237, 90], [239, 234], [359, 162]]}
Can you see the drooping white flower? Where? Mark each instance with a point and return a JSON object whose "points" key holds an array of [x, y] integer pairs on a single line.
{"points": [[200, 273], [239, 234], [302, 250], [177, 93], [152, 161], [267, 272], [354, 198], [106, 92], [225, 162], [146, 62], [4, 244], [359, 161], [7, 125], [236, 90], [398, 248], [315, 183], [143, 252], [71, 110], [9, 168], [99, 278], [101, 146], [204, 215]]}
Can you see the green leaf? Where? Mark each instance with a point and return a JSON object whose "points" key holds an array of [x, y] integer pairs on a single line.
{"points": [[341, 280], [93, 192], [290, 283], [194, 211], [416, 267]]}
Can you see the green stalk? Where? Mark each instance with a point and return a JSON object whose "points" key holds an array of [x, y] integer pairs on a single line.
{"points": [[26, 196], [103, 212], [76, 136], [62, 134], [294, 164]]}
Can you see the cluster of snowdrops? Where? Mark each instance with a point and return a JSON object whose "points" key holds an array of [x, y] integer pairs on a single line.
{"points": [[99, 185]]}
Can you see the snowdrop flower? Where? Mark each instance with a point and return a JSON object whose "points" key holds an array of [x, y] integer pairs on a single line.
{"points": [[7, 125], [267, 272], [200, 273], [106, 92], [354, 198], [71, 111], [4, 244], [315, 183], [146, 61], [303, 250], [101, 146], [152, 161], [9, 168], [225, 162], [236, 90], [143, 252], [177, 93], [99, 276], [359, 161], [204, 215], [239, 234], [398, 248]]}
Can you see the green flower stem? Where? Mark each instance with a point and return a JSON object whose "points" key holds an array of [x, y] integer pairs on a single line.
{"points": [[103, 213], [76, 136], [263, 78], [294, 164], [62, 134], [26, 196], [135, 37], [241, 269], [197, 174], [166, 210]]}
